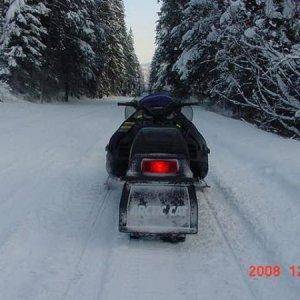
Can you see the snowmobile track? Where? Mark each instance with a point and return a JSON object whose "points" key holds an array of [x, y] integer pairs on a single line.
{"points": [[230, 247], [258, 241], [91, 229]]}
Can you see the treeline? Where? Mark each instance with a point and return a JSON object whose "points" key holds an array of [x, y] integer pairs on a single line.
{"points": [[243, 55], [67, 47]]}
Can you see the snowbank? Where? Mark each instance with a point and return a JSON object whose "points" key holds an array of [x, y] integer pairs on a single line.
{"points": [[6, 94]]}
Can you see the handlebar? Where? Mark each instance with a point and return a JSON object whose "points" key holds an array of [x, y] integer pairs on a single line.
{"points": [[173, 106], [132, 104]]}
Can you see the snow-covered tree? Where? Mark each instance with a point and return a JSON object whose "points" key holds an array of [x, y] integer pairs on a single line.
{"points": [[3, 68], [154, 69], [22, 44], [134, 78], [258, 65], [199, 44], [241, 53], [75, 47], [120, 73], [113, 21], [70, 53], [1, 17], [168, 40]]}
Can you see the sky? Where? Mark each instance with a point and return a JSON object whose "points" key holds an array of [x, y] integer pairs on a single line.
{"points": [[141, 16]]}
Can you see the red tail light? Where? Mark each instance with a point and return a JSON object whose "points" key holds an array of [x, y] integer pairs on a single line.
{"points": [[161, 167]]}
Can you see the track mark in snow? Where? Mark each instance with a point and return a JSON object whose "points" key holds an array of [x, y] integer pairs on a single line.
{"points": [[230, 247], [249, 246], [93, 267], [90, 233], [151, 269]]}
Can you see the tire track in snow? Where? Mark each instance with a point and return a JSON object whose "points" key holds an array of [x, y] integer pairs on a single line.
{"points": [[113, 243]]}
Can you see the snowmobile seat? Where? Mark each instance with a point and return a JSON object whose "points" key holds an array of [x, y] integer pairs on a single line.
{"points": [[168, 140]]}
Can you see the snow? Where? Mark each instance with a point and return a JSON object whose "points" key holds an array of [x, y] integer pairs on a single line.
{"points": [[6, 94], [151, 216], [184, 59], [14, 7], [59, 236], [250, 32], [288, 11], [271, 10]]}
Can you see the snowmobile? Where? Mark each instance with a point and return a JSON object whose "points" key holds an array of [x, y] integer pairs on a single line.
{"points": [[160, 155]]}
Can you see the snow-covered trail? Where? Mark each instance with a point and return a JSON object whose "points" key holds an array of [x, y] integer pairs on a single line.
{"points": [[58, 224]]}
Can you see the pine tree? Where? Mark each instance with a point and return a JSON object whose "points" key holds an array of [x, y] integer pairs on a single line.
{"points": [[241, 53], [154, 67], [2, 7], [23, 44], [101, 44], [75, 47], [259, 62], [3, 67], [168, 41], [199, 44], [113, 21], [70, 54], [232, 73], [134, 77], [277, 90]]}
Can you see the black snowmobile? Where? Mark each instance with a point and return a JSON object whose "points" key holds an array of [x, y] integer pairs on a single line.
{"points": [[160, 155]]}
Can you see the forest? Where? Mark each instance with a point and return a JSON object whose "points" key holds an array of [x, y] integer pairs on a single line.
{"points": [[62, 48], [242, 56]]}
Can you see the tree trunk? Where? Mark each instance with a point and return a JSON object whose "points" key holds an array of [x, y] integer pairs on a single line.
{"points": [[67, 91]]}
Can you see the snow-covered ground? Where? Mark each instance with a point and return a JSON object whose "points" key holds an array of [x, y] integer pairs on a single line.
{"points": [[58, 224]]}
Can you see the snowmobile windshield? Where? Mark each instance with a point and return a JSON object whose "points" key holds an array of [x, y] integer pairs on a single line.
{"points": [[157, 100], [157, 107]]}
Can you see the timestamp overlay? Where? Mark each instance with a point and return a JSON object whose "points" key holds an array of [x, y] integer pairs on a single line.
{"points": [[271, 271]]}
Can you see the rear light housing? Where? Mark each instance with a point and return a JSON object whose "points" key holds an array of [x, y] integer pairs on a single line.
{"points": [[160, 167]]}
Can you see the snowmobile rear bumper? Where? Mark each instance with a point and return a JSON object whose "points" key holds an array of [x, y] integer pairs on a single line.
{"points": [[158, 208]]}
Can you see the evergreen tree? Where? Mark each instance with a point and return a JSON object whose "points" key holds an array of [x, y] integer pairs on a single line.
{"points": [[78, 47], [241, 53], [232, 74], [199, 44], [259, 64], [113, 21], [134, 78], [168, 41], [23, 44], [70, 54], [3, 68], [2, 8], [154, 69]]}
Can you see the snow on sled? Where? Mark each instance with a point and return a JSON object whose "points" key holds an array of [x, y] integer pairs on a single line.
{"points": [[151, 208]]}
